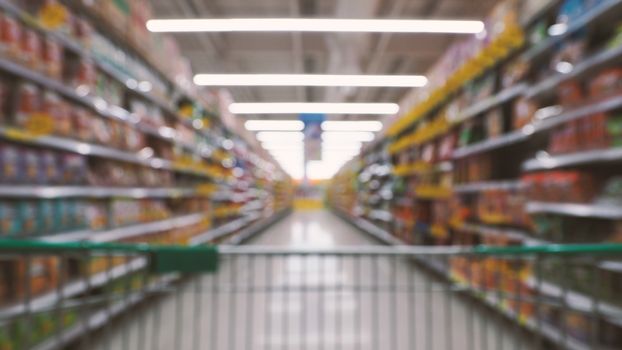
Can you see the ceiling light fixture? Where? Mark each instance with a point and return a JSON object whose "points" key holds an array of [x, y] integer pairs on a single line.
{"points": [[351, 125], [280, 136], [314, 108], [348, 136], [310, 80], [274, 125], [315, 25]]}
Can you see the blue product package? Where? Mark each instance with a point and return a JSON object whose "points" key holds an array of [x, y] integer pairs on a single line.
{"points": [[45, 222], [28, 214], [10, 220], [10, 164]]}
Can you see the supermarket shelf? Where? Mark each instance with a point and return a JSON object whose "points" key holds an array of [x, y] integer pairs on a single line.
{"points": [[104, 316], [487, 145], [547, 86], [491, 102], [149, 228], [83, 148], [497, 231], [219, 232], [100, 318], [592, 108], [601, 211], [487, 185], [89, 149], [48, 300], [122, 40], [544, 162], [95, 103], [26, 191], [381, 215], [606, 8], [551, 333], [128, 231], [237, 225], [368, 227], [577, 301]]}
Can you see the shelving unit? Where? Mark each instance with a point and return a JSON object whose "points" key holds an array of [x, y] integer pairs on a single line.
{"points": [[498, 126], [154, 159]]}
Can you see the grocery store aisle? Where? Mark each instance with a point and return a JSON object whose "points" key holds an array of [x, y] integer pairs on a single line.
{"points": [[278, 301]]}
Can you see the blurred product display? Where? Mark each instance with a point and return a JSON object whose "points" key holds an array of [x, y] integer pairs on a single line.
{"points": [[515, 142], [106, 139]]}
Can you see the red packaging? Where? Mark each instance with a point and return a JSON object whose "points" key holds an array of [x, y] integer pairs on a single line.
{"points": [[82, 124], [86, 74], [599, 136], [28, 103], [63, 124], [31, 48], [607, 83], [52, 58], [570, 93], [10, 35]]}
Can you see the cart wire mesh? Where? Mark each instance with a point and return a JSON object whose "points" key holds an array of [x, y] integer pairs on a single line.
{"points": [[250, 297]]}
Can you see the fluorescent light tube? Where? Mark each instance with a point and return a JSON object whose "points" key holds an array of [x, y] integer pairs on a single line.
{"points": [[310, 80], [337, 25], [280, 136], [347, 125], [274, 125], [336, 136], [278, 146], [314, 108]]}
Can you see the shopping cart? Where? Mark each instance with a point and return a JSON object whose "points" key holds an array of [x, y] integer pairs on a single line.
{"points": [[364, 297]]}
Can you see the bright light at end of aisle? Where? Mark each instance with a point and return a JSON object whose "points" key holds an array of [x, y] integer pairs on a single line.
{"points": [[274, 125], [280, 136], [347, 136], [408, 81], [336, 25], [352, 125], [314, 108], [324, 169]]}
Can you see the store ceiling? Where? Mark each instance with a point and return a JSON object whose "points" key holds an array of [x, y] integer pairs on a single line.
{"points": [[317, 53]]}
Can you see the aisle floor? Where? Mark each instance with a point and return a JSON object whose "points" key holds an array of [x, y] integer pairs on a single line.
{"points": [[311, 302]]}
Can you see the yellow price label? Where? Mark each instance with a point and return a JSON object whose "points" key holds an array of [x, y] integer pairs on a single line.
{"points": [[39, 124], [19, 135], [53, 15]]}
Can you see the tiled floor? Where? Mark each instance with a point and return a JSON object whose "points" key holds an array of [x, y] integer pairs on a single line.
{"points": [[311, 302]]}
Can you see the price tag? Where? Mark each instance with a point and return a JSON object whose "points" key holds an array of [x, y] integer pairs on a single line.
{"points": [[19, 135], [53, 15], [40, 124]]}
